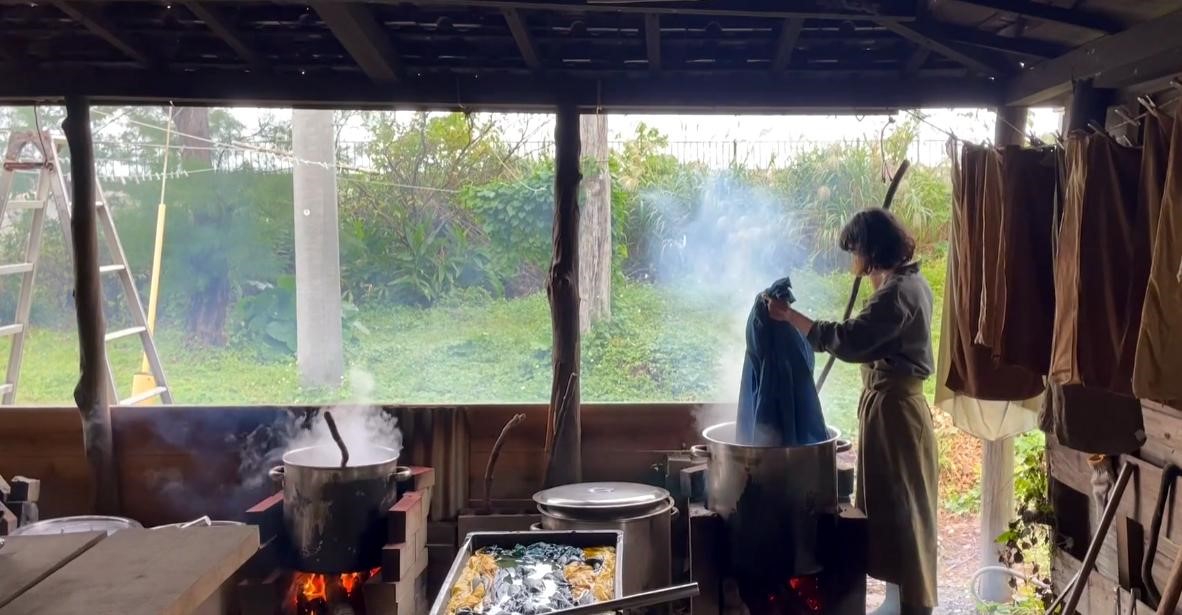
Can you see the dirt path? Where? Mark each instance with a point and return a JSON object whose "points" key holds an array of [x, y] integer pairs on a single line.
{"points": [[958, 562]]}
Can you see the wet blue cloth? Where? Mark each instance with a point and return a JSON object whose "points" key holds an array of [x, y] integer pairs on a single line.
{"points": [[778, 403]]}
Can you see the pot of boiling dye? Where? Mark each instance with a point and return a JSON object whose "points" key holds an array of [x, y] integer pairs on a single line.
{"points": [[772, 499]]}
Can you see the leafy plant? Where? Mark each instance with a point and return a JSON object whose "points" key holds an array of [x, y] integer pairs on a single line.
{"points": [[1026, 543], [266, 318]]}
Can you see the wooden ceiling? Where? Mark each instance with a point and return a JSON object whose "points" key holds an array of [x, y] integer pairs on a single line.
{"points": [[627, 55]]}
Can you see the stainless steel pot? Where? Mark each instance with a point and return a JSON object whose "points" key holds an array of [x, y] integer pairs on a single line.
{"points": [[772, 500], [336, 517], [74, 525], [644, 514]]}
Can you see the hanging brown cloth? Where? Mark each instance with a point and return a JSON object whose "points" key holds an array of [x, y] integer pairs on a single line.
{"points": [[972, 372], [1023, 303], [1158, 350], [1096, 266]]}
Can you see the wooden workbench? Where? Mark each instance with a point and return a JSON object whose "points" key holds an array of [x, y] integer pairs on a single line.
{"points": [[133, 572]]}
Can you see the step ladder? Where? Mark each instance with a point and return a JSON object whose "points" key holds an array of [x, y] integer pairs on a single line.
{"points": [[44, 165]]}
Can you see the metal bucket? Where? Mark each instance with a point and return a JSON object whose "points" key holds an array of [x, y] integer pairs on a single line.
{"points": [[73, 525], [772, 499]]}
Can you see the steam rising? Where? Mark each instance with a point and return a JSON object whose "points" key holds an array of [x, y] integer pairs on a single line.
{"points": [[728, 242]]}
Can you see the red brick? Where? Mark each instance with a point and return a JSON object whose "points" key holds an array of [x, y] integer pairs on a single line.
{"points": [[397, 561], [405, 518]]}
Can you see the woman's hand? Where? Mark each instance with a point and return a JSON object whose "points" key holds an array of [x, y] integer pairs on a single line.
{"points": [[780, 310]]}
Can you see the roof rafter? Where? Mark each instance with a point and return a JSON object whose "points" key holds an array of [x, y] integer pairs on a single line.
{"points": [[786, 43], [90, 18], [219, 26], [909, 32], [652, 40], [1077, 18], [359, 33], [521, 36], [1006, 44]]}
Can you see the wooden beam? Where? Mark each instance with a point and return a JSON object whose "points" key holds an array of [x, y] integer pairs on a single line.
{"points": [[800, 91], [90, 18], [927, 41], [520, 32], [1077, 18], [916, 60], [1007, 44], [652, 40], [786, 44], [91, 392], [362, 37], [1113, 61], [1088, 104], [564, 429], [222, 28]]}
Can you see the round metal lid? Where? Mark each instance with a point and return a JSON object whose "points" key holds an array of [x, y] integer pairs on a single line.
{"points": [[601, 496], [73, 525]]}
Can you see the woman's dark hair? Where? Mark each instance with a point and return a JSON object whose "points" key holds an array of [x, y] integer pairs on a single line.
{"points": [[879, 238]]}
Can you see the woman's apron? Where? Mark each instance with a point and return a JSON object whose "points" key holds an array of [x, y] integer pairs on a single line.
{"points": [[897, 476]]}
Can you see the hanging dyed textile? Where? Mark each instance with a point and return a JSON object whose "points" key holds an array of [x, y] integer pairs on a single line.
{"points": [[778, 402], [1159, 342], [1097, 300], [987, 399], [1092, 420]]}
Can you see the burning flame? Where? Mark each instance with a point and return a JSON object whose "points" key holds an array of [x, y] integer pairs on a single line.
{"points": [[312, 592]]}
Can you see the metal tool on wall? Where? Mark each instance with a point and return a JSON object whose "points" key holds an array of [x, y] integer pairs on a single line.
{"points": [[1168, 474]]}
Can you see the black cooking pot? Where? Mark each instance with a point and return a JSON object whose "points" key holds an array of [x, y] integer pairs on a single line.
{"points": [[336, 517]]}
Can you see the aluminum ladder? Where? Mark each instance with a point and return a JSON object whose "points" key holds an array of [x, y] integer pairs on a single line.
{"points": [[45, 165]]}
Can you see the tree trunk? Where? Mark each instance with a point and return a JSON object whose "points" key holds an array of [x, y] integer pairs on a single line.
{"points": [[595, 226], [192, 127], [319, 354], [91, 392], [564, 431]]}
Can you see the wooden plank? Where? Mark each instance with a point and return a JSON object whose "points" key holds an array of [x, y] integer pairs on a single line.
{"points": [[1074, 17], [217, 24], [90, 18], [362, 37], [1111, 54], [929, 41], [27, 560], [1019, 46], [786, 44], [521, 36], [652, 41], [143, 572], [613, 92]]}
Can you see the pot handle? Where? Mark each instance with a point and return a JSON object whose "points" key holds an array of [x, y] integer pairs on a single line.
{"points": [[400, 474], [674, 513], [277, 475], [699, 451], [844, 445]]}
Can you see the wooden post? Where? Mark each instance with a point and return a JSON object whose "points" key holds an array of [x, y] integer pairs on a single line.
{"points": [[997, 462], [1088, 104], [564, 433], [91, 392]]}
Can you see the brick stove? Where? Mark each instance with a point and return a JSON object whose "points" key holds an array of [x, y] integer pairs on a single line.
{"points": [[398, 587]]}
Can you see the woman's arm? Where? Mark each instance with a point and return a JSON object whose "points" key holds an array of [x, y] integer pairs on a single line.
{"points": [[869, 336]]}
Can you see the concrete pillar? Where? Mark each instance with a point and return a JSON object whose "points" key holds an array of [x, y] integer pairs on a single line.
{"points": [[319, 354]]}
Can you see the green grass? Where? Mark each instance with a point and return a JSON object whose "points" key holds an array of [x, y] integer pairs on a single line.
{"points": [[659, 345]]}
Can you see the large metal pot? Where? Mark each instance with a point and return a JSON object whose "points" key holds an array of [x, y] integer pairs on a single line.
{"points": [[336, 517], [772, 500], [643, 513]]}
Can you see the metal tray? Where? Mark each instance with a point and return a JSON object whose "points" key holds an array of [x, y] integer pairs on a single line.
{"points": [[576, 538]]}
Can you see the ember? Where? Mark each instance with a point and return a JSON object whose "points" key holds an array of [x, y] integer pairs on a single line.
{"points": [[319, 594], [796, 596]]}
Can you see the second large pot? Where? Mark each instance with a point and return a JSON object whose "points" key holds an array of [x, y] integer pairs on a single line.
{"points": [[336, 517], [772, 499], [643, 513]]}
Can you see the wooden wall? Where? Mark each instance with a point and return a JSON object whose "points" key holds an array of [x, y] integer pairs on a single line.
{"points": [[1076, 513], [177, 463]]}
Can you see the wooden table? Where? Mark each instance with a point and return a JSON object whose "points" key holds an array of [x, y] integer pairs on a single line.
{"points": [[27, 560], [136, 572]]}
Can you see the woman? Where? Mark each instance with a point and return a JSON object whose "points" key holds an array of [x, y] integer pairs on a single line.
{"points": [[897, 458]]}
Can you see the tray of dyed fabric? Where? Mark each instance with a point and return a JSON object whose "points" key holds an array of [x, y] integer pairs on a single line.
{"points": [[531, 573]]}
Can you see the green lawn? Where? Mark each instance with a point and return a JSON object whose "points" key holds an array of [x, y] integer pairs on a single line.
{"points": [[659, 345]]}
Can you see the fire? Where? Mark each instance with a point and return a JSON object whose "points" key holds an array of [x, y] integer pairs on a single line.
{"points": [[314, 593]]}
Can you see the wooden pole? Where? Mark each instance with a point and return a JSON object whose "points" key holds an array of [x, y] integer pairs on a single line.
{"points": [[997, 461], [564, 432], [91, 392], [1088, 104]]}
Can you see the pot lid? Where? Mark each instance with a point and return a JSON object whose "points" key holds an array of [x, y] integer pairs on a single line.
{"points": [[601, 496], [73, 525]]}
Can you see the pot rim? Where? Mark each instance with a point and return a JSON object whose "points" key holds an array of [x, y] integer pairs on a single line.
{"points": [[564, 514], [287, 458], [834, 435]]}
